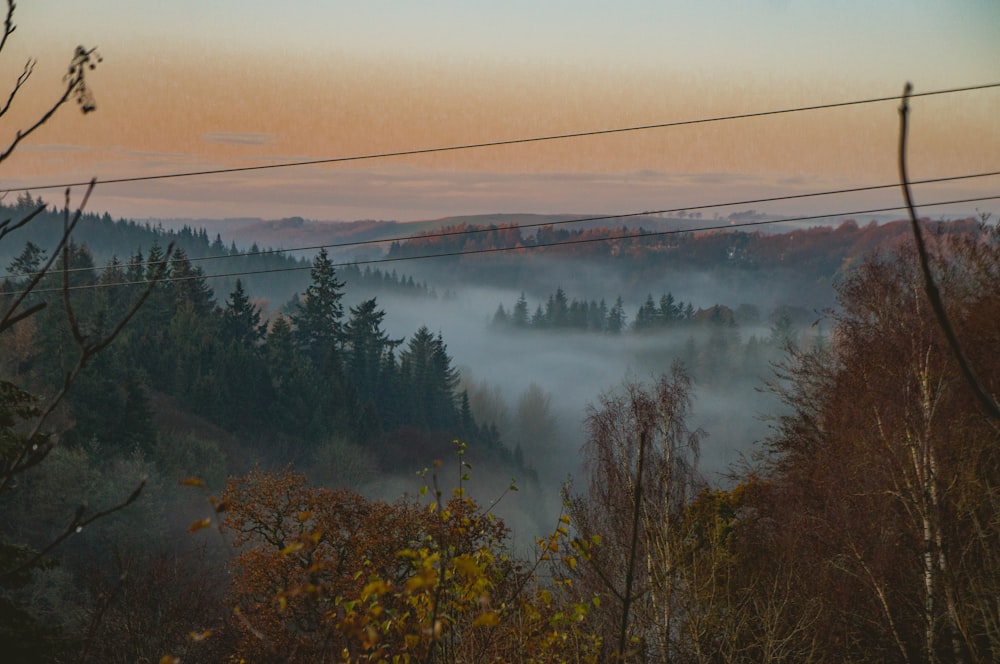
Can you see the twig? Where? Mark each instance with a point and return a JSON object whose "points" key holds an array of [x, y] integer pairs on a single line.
{"points": [[76, 86], [633, 547], [32, 453], [6, 228], [75, 526], [932, 292]]}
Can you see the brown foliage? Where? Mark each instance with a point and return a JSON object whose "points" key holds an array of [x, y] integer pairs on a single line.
{"points": [[886, 469]]}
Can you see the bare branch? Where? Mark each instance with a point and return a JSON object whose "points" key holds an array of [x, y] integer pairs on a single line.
{"points": [[6, 321], [988, 403], [70, 316], [32, 453], [76, 525], [76, 88], [6, 228], [8, 24], [633, 547], [22, 78]]}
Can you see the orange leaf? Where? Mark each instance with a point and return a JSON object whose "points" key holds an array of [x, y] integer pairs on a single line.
{"points": [[192, 481], [198, 525]]}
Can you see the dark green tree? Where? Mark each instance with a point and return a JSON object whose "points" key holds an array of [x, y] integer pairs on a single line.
{"points": [[647, 317], [28, 261], [429, 381], [501, 318], [191, 289], [616, 317], [241, 319], [317, 319], [367, 346], [519, 316]]}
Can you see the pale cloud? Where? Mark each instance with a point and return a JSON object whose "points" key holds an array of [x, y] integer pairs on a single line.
{"points": [[56, 147], [239, 138]]}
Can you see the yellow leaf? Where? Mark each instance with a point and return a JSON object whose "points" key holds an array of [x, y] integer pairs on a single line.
{"points": [[377, 587], [292, 548], [200, 636], [488, 619], [192, 481], [467, 565], [198, 525], [304, 515], [170, 659]]}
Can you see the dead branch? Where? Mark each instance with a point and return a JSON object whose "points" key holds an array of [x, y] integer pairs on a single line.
{"points": [[988, 403], [75, 82], [78, 523], [37, 447]]}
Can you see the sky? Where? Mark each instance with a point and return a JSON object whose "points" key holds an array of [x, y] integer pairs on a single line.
{"points": [[192, 85]]}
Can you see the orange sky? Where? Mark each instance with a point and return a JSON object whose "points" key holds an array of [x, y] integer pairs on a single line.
{"points": [[199, 104]]}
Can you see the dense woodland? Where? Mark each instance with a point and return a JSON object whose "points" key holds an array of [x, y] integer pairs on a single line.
{"points": [[801, 265], [180, 474], [865, 528], [274, 273]]}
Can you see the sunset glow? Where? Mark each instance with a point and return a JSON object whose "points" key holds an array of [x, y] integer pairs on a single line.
{"points": [[194, 88]]}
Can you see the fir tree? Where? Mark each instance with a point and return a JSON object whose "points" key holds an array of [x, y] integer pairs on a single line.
{"points": [[317, 320]]}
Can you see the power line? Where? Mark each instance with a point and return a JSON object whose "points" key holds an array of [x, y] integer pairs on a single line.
{"points": [[611, 217], [492, 250], [513, 141]]}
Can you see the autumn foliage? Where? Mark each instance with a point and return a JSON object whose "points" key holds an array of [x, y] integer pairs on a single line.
{"points": [[866, 530], [330, 576]]}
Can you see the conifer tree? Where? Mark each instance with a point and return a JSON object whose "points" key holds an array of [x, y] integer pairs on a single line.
{"points": [[317, 319], [241, 319]]}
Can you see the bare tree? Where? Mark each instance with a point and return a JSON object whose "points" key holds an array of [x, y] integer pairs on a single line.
{"points": [[640, 464]]}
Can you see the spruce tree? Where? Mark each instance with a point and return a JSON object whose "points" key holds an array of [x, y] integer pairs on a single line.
{"points": [[317, 319]]}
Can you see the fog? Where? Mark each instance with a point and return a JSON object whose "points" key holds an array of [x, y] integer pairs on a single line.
{"points": [[573, 369]]}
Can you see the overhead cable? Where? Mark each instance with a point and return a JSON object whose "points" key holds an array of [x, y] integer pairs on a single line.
{"points": [[580, 220], [492, 250], [499, 143]]}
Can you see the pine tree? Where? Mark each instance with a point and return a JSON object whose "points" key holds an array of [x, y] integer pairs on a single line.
{"points": [[366, 346], [429, 381], [519, 317], [190, 286], [241, 319], [501, 318], [29, 260], [648, 316], [317, 320], [616, 317]]}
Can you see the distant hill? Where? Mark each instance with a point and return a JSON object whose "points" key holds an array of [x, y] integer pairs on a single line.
{"points": [[275, 275], [293, 232], [804, 259]]}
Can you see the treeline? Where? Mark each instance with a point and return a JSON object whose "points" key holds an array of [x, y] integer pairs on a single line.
{"points": [[278, 273], [562, 313], [285, 386], [806, 261]]}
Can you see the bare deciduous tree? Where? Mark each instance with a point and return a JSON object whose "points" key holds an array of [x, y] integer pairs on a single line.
{"points": [[640, 463]]}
